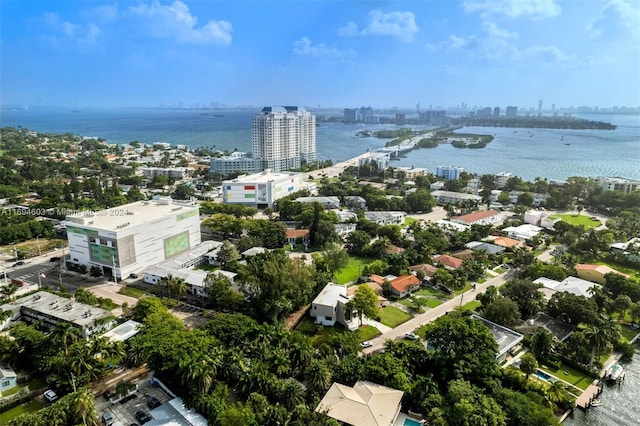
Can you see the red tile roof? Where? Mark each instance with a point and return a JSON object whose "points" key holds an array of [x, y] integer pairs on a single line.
{"points": [[404, 282], [476, 216], [297, 233], [449, 261], [376, 279], [506, 242], [429, 270]]}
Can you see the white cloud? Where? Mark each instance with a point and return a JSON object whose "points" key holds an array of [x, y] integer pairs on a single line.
{"points": [[546, 54], [494, 32], [395, 24], [513, 8], [176, 21], [305, 47], [104, 13], [616, 14], [61, 32]]}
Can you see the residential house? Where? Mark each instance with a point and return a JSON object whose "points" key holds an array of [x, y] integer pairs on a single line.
{"points": [[463, 254], [8, 379], [386, 218], [523, 232], [428, 270], [346, 216], [298, 236], [364, 404], [595, 273], [329, 307], [404, 285], [560, 329], [449, 262], [482, 217], [630, 249], [355, 201], [449, 227], [508, 243], [506, 338], [377, 289], [490, 249], [326, 202], [573, 285], [344, 229], [253, 251]]}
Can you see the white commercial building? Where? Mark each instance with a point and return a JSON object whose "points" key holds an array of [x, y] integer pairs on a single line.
{"points": [[283, 137], [261, 189], [618, 184], [235, 162], [449, 172], [126, 239]]}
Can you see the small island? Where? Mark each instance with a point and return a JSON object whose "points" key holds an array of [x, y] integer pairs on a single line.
{"points": [[535, 122]]}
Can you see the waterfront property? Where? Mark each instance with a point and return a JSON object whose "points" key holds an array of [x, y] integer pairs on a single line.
{"points": [[364, 404], [506, 338], [50, 309], [126, 239], [261, 189]]}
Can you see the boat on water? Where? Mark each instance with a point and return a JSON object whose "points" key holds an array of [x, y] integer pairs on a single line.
{"points": [[614, 373], [596, 403]]}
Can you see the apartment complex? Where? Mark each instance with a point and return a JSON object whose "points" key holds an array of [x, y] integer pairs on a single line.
{"points": [[283, 137], [126, 239], [618, 184], [261, 189], [449, 172]]}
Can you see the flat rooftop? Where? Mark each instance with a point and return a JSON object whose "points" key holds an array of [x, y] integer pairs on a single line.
{"points": [[330, 294], [128, 215], [123, 332], [262, 177], [60, 308], [505, 337]]}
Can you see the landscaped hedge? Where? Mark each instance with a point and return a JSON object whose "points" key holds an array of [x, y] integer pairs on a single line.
{"points": [[578, 367]]}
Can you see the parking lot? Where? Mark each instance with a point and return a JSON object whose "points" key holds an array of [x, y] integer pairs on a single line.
{"points": [[124, 412]]}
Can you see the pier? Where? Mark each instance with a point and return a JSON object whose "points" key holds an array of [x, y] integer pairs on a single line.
{"points": [[584, 401]]}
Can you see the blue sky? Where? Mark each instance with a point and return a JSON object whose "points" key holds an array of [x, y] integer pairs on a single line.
{"points": [[333, 53]]}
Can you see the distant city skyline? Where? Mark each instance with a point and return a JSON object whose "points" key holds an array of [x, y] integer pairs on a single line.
{"points": [[324, 53]]}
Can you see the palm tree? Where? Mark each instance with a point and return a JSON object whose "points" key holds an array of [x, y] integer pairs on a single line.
{"points": [[553, 394], [599, 336], [300, 351], [175, 285], [318, 376], [292, 393], [66, 334], [541, 343]]}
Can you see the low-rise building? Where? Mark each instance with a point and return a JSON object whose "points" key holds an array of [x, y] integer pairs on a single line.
{"points": [[449, 172], [177, 173], [355, 201], [236, 162], [404, 285], [8, 379], [490, 249], [617, 184], [595, 273], [386, 217], [261, 189], [329, 307], [298, 236], [344, 229], [506, 338], [482, 217], [572, 285], [364, 404], [410, 172], [326, 202], [523, 232], [50, 309], [449, 262], [450, 197]]}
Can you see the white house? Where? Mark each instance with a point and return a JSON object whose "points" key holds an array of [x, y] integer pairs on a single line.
{"points": [[482, 217], [329, 307], [386, 218], [8, 379]]}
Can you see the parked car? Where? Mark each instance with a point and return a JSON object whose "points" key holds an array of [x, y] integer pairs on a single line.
{"points": [[18, 263], [446, 289], [107, 419], [153, 402], [143, 417], [411, 336], [50, 396], [54, 259], [366, 344]]}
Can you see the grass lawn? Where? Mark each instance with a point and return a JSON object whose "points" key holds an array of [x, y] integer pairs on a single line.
{"points": [[627, 332], [353, 270], [392, 316], [307, 327], [428, 291], [500, 270], [574, 377], [577, 220], [132, 292], [409, 220], [467, 287], [470, 306], [26, 408], [432, 303]]}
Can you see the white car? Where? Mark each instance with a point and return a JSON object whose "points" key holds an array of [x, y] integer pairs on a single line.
{"points": [[50, 396], [411, 336], [366, 344]]}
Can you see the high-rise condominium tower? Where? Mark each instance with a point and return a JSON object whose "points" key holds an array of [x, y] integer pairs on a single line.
{"points": [[283, 137]]}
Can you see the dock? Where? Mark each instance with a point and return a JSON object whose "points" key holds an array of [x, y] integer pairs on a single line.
{"points": [[584, 401]]}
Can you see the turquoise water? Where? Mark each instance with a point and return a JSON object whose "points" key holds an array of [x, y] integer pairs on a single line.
{"points": [[544, 376], [409, 422], [550, 153]]}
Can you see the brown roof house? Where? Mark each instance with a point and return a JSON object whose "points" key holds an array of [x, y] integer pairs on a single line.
{"points": [[298, 236], [404, 285], [595, 273], [483, 217], [449, 262], [364, 404]]}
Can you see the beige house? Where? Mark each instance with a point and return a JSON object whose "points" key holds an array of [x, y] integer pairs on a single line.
{"points": [[364, 404], [595, 273]]}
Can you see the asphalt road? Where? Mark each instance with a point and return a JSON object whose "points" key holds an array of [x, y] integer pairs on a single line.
{"points": [[432, 314]]}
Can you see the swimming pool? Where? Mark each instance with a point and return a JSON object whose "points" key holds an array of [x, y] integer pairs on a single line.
{"points": [[409, 422], [544, 376]]}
